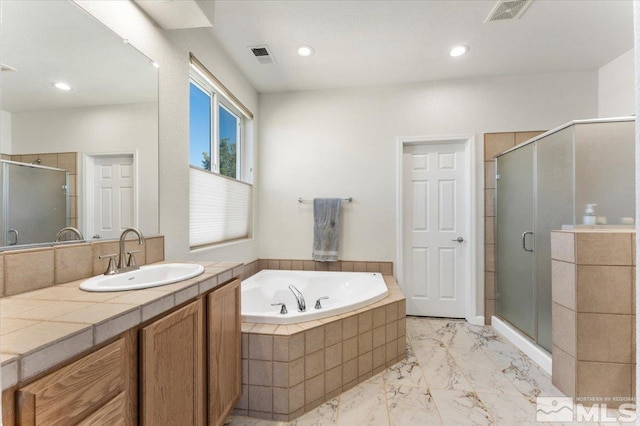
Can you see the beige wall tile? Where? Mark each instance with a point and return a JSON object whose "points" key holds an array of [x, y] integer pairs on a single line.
{"points": [[245, 373], [365, 321], [309, 265], [605, 289], [402, 348], [563, 372], [100, 249], [402, 327], [378, 357], [1, 275], [154, 249], [489, 310], [281, 401], [562, 246], [73, 262], [489, 174], [495, 143], [391, 351], [296, 397], [603, 379], [392, 312], [563, 329], [261, 398], [359, 266], [604, 337], [563, 288], [349, 327], [489, 257], [260, 373], [333, 333], [321, 266], [314, 389], [28, 270], [402, 308], [392, 331], [285, 265], [296, 346], [261, 347], [489, 202], [379, 316], [273, 264], [263, 264], [365, 342], [347, 266], [314, 339], [386, 268], [313, 364], [335, 266], [373, 267], [333, 379], [132, 245], [296, 371], [603, 248], [365, 364], [489, 230], [525, 136], [67, 161], [489, 285], [350, 349], [349, 371], [379, 336], [333, 356], [115, 326], [297, 265]]}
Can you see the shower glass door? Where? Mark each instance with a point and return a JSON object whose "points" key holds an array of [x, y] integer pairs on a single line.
{"points": [[515, 240]]}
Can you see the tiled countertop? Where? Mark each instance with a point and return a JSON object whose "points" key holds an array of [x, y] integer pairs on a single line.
{"points": [[42, 328]]}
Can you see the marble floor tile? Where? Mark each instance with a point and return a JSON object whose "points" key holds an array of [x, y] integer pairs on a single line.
{"points": [[406, 372], [461, 408], [452, 333], [509, 410], [439, 368], [363, 404], [324, 415], [411, 406]]}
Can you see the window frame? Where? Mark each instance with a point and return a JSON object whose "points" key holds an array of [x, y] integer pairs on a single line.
{"points": [[218, 100]]}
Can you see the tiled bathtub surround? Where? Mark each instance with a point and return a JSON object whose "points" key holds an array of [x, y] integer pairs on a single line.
{"points": [[593, 282], [32, 269], [291, 369]]}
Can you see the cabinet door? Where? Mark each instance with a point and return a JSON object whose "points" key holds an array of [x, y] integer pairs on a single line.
{"points": [[225, 352], [172, 369], [72, 393]]}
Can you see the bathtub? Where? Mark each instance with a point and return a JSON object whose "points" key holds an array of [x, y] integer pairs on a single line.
{"points": [[347, 291]]}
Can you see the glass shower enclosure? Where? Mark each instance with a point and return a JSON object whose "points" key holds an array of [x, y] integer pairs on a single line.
{"points": [[544, 184], [34, 203]]}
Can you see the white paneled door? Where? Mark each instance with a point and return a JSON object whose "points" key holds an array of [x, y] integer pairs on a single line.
{"points": [[434, 230], [113, 195]]}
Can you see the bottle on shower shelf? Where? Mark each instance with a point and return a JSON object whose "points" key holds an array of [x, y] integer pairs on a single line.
{"points": [[589, 217]]}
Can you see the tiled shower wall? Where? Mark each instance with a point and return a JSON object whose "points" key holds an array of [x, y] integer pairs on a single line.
{"points": [[494, 144]]}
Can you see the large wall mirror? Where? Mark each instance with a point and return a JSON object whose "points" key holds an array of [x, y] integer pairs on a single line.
{"points": [[93, 142]]}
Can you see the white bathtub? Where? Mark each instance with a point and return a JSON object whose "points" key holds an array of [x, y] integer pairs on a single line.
{"points": [[347, 291]]}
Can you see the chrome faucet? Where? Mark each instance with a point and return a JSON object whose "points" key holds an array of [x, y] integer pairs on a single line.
{"points": [[123, 265], [302, 306], [71, 229]]}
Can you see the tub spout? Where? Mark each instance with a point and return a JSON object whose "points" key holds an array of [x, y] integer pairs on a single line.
{"points": [[302, 306]]}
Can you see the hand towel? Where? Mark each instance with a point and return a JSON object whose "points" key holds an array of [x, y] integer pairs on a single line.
{"points": [[326, 229]]}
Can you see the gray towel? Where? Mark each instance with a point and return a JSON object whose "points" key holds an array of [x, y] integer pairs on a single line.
{"points": [[326, 228]]}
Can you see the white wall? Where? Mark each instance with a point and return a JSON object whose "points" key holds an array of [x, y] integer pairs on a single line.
{"points": [[172, 53], [636, 91], [5, 132], [99, 129], [343, 143], [616, 93]]}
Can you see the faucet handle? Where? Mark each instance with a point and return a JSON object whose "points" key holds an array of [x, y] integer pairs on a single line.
{"points": [[318, 305], [283, 310], [111, 268], [132, 257]]}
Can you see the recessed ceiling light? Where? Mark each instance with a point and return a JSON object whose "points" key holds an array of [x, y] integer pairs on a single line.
{"points": [[62, 86], [459, 51], [305, 51]]}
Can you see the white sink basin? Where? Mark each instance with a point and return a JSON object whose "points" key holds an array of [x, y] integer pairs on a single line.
{"points": [[145, 277]]}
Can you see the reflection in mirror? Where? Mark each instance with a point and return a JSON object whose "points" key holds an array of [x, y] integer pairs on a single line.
{"points": [[75, 97]]}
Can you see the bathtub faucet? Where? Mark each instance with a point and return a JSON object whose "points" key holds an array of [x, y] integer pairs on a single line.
{"points": [[302, 306]]}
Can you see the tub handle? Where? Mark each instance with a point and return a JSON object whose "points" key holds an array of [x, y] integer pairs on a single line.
{"points": [[318, 305], [283, 309]]}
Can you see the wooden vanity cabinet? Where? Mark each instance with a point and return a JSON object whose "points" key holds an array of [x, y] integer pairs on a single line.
{"points": [[172, 368], [93, 388], [225, 351]]}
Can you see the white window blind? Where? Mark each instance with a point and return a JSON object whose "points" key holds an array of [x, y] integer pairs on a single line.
{"points": [[219, 208]]}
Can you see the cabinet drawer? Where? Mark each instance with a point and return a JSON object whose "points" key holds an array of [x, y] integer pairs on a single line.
{"points": [[71, 393], [113, 413]]}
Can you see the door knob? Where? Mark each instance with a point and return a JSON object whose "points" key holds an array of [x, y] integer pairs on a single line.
{"points": [[458, 240]]}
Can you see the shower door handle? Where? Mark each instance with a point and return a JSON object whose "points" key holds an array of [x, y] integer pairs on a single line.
{"points": [[524, 240], [15, 240]]}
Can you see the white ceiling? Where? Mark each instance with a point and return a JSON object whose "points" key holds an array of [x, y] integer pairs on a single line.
{"points": [[365, 42], [51, 41]]}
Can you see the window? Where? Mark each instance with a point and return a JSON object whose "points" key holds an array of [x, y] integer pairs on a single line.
{"points": [[216, 151], [219, 202]]}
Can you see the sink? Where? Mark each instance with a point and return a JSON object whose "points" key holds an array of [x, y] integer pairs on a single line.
{"points": [[145, 277]]}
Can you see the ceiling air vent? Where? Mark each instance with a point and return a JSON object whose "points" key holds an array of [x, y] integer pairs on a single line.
{"points": [[506, 10], [262, 54]]}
